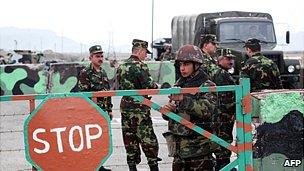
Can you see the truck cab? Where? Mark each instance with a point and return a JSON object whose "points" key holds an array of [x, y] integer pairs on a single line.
{"points": [[232, 29]]}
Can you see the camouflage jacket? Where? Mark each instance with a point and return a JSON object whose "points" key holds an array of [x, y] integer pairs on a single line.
{"points": [[222, 77], [209, 65], [166, 56], [197, 108], [91, 80], [133, 74], [263, 73]]}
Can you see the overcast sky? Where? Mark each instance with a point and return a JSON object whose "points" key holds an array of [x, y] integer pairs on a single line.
{"points": [[93, 21]]}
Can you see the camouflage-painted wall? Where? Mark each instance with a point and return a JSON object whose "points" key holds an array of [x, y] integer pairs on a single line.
{"points": [[62, 77], [162, 72], [22, 79], [278, 129]]}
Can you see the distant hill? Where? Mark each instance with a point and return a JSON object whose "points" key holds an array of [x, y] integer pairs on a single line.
{"points": [[36, 39]]}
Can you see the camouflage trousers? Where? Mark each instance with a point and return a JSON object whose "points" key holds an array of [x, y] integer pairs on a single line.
{"points": [[223, 129], [202, 163], [137, 130]]}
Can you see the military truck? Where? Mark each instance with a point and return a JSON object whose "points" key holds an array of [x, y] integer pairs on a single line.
{"points": [[232, 28], [26, 55]]}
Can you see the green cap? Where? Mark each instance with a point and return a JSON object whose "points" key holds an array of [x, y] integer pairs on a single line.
{"points": [[141, 44], [226, 53], [252, 42], [207, 38], [95, 49]]}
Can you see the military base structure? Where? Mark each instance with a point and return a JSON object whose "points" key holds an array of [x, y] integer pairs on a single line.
{"points": [[277, 116], [269, 123]]}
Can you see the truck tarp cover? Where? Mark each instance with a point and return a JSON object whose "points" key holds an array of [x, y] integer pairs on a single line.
{"points": [[184, 29]]}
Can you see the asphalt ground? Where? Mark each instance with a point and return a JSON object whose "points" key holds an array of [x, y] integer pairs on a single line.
{"points": [[12, 154]]}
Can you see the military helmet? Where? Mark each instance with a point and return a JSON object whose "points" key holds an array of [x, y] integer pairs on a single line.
{"points": [[189, 53], [226, 52], [252, 42]]}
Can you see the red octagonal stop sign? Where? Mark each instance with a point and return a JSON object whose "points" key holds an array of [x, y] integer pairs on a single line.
{"points": [[67, 132]]}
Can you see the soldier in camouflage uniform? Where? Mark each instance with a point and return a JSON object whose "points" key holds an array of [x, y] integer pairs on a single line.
{"points": [[137, 128], [193, 151], [263, 72], [223, 121], [94, 78], [167, 55], [208, 45]]}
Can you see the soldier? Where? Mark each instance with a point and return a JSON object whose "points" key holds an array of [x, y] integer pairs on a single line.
{"points": [[94, 78], [224, 120], [167, 55], [263, 72], [208, 45], [137, 128], [192, 150]]}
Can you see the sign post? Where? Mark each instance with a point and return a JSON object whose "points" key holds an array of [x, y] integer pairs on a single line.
{"points": [[67, 132]]}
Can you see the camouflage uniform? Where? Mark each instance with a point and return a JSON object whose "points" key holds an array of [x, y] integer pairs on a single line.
{"points": [[193, 150], [209, 65], [263, 72], [223, 121], [166, 56], [137, 128], [92, 80]]}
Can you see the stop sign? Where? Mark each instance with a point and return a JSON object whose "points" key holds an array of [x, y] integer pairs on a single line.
{"points": [[67, 133]]}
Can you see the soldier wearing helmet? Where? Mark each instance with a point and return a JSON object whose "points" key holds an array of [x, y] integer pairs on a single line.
{"points": [[192, 151], [263, 72], [208, 45], [224, 118]]}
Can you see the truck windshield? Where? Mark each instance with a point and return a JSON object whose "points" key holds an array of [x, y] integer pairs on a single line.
{"points": [[241, 31]]}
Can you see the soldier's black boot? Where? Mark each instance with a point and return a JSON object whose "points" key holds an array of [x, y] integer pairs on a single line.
{"points": [[104, 169], [132, 168], [153, 167], [220, 163]]}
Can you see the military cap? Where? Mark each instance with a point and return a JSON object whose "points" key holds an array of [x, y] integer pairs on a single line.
{"points": [[95, 49], [207, 38], [252, 42], [141, 44], [226, 53]]}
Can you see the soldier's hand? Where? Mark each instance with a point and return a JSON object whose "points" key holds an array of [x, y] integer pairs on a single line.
{"points": [[176, 97], [170, 106], [156, 85]]}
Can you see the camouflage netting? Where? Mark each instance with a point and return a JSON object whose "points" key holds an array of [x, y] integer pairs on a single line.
{"points": [[275, 106]]}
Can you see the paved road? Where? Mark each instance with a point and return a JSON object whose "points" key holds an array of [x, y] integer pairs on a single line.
{"points": [[12, 157]]}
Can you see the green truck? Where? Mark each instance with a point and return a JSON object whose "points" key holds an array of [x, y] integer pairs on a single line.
{"points": [[232, 28]]}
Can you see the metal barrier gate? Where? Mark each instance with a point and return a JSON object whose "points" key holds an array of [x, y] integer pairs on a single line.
{"points": [[243, 148]]}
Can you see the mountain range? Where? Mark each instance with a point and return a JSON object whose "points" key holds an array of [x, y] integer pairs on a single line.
{"points": [[40, 40]]}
